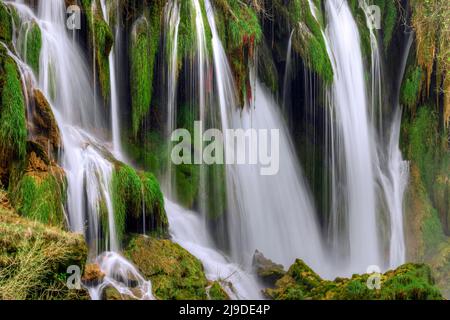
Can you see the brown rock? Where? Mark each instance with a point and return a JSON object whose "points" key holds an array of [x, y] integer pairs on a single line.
{"points": [[44, 128], [92, 276]]}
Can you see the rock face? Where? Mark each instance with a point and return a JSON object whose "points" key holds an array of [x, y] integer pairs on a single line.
{"points": [[267, 270], [174, 272], [408, 282], [34, 259], [44, 128]]}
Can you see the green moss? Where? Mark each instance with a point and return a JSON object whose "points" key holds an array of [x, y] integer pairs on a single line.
{"points": [[101, 34], [241, 33], [33, 47], [408, 282], [131, 190], [423, 135], [41, 197], [5, 23], [174, 272], [410, 91], [364, 32], [13, 129], [154, 202], [216, 292], [307, 41], [126, 190]]}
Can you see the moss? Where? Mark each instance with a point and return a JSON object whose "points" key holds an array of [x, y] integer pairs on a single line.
{"points": [[41, 197], [153, 201], [34, 259], [408, 282], [126, 188], [101, 35], [242, 33], [13, 129], [186, 30], [410, 91], [6, 27], [130, 192], [364, 32], [187, 34], [33, 43], [174, 272], [141, 74], [216, 292]]}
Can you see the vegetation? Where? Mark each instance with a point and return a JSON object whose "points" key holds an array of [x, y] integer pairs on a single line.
{"points": [[174, 272], [34, 259], [408, 282], [13, 129], [103, 40], [135, 194], [241, 33], [33, 44]]}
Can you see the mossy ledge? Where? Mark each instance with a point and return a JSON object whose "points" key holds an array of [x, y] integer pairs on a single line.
{"points": [[174, 272], [408, 282]]}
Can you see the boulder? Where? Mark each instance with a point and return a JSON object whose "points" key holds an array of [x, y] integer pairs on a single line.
{"points": [[268, 271]]}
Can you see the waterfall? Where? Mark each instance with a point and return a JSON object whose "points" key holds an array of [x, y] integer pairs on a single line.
{"points": [[65, 81], [353, 224], [114, 94], [172, 23], [188, 228]]}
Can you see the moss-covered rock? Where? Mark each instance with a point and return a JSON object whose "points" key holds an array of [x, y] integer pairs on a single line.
{"points": [[6, 28], [144, 45], [40, 193], [135, 194], [411, 88], [241, 33], [13, 129], [31, 43], [34, 259], [101, 40], [174, 272], [408, 282]]}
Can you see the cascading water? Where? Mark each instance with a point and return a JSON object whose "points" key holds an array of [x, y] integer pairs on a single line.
{"points": [[64, 79], [259, 205], [353, 225], [172, 23], [115, 115], [188, 228]]}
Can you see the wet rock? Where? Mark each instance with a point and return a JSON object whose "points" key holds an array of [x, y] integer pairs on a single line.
{"points": [[44, 127], [267, 270]]}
